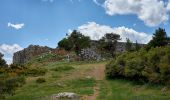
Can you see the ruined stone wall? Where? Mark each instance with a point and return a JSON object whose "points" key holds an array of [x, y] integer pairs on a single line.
{"points": [[27, 54], [90, 54]]}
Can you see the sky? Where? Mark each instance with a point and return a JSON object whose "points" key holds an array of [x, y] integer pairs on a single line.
{"points": [[45, 22]]}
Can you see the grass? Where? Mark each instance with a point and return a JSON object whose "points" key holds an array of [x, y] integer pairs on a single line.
{"points": [[125, 90], [62, 80], [73, 78], [82, 86], [63, 68]]}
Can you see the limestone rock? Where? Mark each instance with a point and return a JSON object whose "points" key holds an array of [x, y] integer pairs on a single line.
{"points": [[67, 95], [90, 54], [27, 54]]}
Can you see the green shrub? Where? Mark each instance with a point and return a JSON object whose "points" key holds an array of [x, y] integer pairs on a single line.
{"points": [[165, 69], [12, 83], [2, 89], [36, 71], [40, 80], [63, 68], [152, 66], [134, 68]]}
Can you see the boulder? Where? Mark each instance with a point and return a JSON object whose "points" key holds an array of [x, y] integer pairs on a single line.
{"points": [[67, 95]]}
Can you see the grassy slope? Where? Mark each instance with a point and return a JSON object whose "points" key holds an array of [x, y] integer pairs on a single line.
{"points": [[126, 90], [57, 81], [75, 81]]}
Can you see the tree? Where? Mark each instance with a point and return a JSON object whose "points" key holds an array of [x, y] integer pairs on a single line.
{"points": [[109, 41], [79, 41], [128, 46], [159, 39], [2, 61], [137, 46], [66, 44], [75, 41]]}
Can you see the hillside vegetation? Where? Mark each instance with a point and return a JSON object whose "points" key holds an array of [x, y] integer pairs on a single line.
{"points": [[142, 66], [88, 81]]}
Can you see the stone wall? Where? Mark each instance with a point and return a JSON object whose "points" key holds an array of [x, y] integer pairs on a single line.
{"points": [[120, 47], [90, 54], [25, 55]]}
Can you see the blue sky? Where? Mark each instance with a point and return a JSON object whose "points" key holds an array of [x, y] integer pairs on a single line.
{"points": [[45, 22]]}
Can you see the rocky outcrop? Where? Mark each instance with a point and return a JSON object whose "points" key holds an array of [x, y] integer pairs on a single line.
{"points": [[91, 53], [27, 54]]}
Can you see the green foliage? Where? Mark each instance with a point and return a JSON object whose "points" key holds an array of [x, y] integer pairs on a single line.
{"points": [[134, 68], [137, 46], [66, 44], [159, 39], [12, 83], [11, 78], [79, 41], [2, 89], [152, 66], [128, 46], [2, 61], [117, 69], [63, 68], [75, 41], [108, 43], [40, 80], [37, 71]]}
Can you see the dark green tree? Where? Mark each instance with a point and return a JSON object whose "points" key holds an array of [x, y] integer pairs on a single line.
{"points": [[159, 39], [79, 41], [109, 42], [2, 61], [128, 46], [66, 44], [75, 41]]}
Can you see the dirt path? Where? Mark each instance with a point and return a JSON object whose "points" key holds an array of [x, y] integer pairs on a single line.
{"points": [[98, 74]]}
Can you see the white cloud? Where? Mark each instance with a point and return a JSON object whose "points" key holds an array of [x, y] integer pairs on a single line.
{"points": [[16, 26], [8, 51], [96, 31], [152, 12]]}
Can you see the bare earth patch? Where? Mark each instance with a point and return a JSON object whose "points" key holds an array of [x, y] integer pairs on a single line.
{"points": [[97, 73]]}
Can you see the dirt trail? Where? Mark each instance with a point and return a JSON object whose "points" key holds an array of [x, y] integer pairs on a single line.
{"points": [[98, 74]]}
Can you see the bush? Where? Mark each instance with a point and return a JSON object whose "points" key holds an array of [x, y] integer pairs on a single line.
{"points": [[152, 66], [2, 89], [10, 79], [12, 83], [40, 80], [63, 68], [134, 68], [36, 71]]}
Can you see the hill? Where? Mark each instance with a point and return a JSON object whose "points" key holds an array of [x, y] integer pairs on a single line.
{"points": [[87, 80]]}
